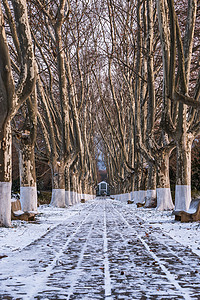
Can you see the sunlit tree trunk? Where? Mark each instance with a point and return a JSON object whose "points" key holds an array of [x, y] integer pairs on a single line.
{"points": [[183, 173], [150, 199], [28, 189], [143, 186], [26, 149], [176, 88], [164, 198], [5, 175], [58, 184], [137, 178], [12, 95], [72, 189], [67, 187]]}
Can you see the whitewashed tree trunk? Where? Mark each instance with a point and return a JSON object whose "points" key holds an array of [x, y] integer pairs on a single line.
{"points": [[142, 195], [67, 188], [76, 189], [183, 174], [137, 179], [164, 198], [72, 189], [177, 87], [26, 149], [5, 176], [58, 185], [150, 199], [12, 95], [28, 188]]}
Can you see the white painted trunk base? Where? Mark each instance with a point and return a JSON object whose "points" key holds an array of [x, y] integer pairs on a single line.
{"points": [[142, 195], [87, 197], [132, 195], [182, 197], [5, 204], [126, 196], [136, 197], [58, 198], [68, 198], [164, 199], [28, 198], [150, 196], [82, 196], [72, 197], [76, 197]]}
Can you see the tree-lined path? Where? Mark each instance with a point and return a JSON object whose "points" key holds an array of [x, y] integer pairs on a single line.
{"points": [[102, 252]]}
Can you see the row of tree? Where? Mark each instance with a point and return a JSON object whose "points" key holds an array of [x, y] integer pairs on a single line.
{"points": [[152, 51], [79, 77], [45, 100]]}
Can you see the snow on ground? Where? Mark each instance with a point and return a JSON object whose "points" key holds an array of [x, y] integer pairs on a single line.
{"points": [[188, 234], [102, 249], [24, 233]]}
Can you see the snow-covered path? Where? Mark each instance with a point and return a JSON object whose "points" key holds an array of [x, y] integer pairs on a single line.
{"points": [[103, 251]]}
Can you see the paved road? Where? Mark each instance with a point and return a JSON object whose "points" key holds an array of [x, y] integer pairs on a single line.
{"points": [[103, 252]]}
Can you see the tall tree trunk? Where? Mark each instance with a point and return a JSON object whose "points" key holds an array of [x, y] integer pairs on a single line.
{"points": [[5, 175], [183, 173], [67, 187], [164, 198], [79, 190], [12, 95], [137, 178], [72, 189], [28, 189], [76, 189], [132, 181], [151, 187], [143, 186], [83, 183], [58, 184]]}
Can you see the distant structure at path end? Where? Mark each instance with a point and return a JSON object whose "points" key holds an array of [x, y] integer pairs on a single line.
{"points": [[103, 189]]}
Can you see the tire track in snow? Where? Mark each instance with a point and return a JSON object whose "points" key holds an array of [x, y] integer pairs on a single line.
{"points": [[169, 275]]}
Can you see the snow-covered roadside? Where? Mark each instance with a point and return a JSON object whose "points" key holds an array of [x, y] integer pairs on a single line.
{"points": [[187, 234], [24, 233]]}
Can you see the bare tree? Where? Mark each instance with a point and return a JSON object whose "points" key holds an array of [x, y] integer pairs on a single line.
{"points": [[181, 123], [25, 133], [12, 96]]}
